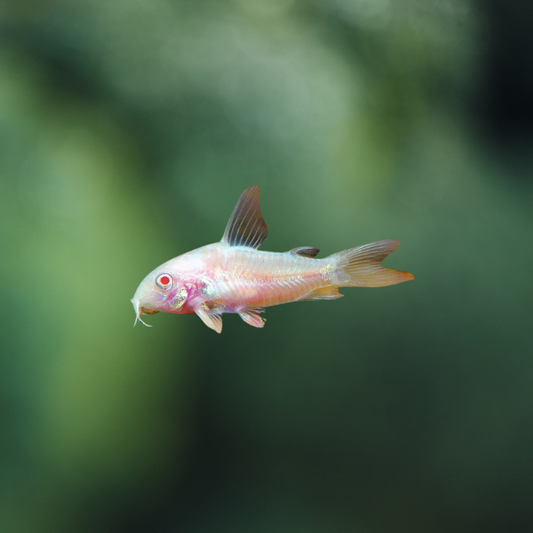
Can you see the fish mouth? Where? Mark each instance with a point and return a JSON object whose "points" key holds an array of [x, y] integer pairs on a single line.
{"points": [[141, 311]]}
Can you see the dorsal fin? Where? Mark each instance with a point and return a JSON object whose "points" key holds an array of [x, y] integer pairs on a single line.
{"points": [[305, 251], [246, 226]]}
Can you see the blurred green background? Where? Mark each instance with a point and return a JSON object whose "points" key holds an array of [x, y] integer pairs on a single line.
{"points": [[128, 129]]}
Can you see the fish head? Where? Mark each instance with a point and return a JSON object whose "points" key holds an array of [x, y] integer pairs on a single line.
{"points": [[161, 291]]}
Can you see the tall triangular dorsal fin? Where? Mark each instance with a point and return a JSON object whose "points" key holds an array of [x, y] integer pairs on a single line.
{"points": [[246, 226], [305, 251]]}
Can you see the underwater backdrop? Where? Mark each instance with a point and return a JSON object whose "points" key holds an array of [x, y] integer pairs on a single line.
{"points": [[128, 129]]}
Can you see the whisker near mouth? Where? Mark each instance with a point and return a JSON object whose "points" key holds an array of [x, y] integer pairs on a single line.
{"points": [[138, 313]]}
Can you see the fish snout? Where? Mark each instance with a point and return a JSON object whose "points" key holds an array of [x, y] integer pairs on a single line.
{"points": [[139, 310]]}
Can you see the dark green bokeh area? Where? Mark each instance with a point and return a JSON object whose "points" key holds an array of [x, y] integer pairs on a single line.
{"points": [[128, 131]]}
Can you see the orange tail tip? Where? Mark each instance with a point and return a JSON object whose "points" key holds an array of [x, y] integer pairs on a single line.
{"points": [[361, 266]]}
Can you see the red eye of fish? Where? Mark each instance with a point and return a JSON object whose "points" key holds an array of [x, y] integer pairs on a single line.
{"points": [[164, 281]]}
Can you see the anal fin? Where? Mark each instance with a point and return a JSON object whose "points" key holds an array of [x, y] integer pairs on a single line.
{"points": [[324, 293], [251, 316]]}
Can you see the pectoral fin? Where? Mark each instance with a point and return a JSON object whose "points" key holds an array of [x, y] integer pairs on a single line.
{"points": [[252, 317], [210, 319]]}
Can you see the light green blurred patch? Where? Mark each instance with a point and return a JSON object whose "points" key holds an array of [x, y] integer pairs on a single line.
{"points": [[108, 401]]}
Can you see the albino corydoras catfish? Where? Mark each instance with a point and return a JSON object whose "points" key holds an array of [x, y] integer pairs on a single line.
{"points": [[233, 276]]}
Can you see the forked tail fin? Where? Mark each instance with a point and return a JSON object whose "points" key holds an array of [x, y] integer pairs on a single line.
{"points": [[361, 266]]}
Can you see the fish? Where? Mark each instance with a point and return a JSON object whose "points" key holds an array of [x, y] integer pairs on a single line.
{"points": [[234, 276]]}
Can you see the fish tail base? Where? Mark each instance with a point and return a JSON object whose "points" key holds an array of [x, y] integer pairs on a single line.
{"points": [[361, 266]]}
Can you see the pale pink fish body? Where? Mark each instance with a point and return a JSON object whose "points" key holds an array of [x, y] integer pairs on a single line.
{"points": [[232, 276]]}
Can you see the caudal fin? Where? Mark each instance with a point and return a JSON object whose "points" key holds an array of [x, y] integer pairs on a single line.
{"points": [[361, 266]]}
